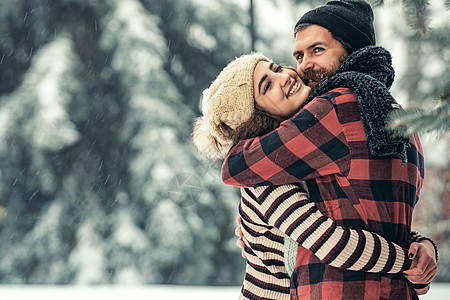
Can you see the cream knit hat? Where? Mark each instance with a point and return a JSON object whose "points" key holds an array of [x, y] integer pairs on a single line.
{"points": [[228, 103]]}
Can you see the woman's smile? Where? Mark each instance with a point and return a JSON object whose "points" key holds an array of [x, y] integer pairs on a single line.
{"points": [[278, 90], [295, 87]]}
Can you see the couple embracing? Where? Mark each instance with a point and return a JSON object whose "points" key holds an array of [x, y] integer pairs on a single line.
{"points": [[328, 191]]}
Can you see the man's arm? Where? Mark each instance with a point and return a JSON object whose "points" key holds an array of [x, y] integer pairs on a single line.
{"points": [[309, 145]]}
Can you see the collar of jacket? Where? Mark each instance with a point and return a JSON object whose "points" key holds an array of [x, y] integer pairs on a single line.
{"points": [[368, 72]]}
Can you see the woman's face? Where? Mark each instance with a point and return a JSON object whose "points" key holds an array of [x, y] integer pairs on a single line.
{"points": [[278, 90]]}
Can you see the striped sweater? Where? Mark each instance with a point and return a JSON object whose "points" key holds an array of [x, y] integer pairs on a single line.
{"points": [[270, 212]]}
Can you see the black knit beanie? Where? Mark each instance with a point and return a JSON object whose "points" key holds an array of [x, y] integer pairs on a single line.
{"points": [[350, 20]]}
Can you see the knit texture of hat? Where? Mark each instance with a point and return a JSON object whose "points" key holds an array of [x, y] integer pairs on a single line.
{"points": [[350, 20], [226, 104]]}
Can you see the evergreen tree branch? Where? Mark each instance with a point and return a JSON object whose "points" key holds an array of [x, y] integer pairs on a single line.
{"points": [[420, 120], [420, 19], [376, 2], [417, 14]]}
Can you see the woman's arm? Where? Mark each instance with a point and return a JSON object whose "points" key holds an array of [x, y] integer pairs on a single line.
{"points": [[309, 145], [288, 209]]}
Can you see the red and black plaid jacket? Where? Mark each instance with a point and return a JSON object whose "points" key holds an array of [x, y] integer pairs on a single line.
{"points": [[325, 145]]}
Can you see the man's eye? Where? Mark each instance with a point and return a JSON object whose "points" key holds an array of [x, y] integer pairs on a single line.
{"points": [[318, 49], [300, 56]]}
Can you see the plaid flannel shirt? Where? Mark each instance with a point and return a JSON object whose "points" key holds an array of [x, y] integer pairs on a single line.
{"points": [[325, 145]]}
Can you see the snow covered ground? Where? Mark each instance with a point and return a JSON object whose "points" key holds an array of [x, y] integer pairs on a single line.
{"points": [[151, 292]]}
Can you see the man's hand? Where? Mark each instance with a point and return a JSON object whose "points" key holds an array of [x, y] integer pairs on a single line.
{"points": [[424, 267], [239, 234]]}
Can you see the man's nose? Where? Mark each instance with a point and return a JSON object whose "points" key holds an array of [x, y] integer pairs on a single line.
{"points": [[304, 66]]}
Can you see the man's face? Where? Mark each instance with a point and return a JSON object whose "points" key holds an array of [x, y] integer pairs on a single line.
{"points": [[318, 54]]}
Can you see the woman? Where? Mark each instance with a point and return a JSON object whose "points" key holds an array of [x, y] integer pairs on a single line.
{"points": [[249, 98]]}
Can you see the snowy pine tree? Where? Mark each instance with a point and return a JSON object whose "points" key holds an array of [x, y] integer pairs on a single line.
{"points": [[97, 105], [428, 40]]}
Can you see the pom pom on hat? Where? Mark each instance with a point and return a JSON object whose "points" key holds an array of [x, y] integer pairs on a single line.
{"points": [[207, 144], [226, 104]]}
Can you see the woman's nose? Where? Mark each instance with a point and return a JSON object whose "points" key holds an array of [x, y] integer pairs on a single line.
{"points": [[284, 78]]}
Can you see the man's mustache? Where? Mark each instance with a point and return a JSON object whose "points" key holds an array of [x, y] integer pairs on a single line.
{"points": [[314, 76]]}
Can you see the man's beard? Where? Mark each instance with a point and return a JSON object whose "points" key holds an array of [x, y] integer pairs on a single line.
{"points": [[315, 78]]}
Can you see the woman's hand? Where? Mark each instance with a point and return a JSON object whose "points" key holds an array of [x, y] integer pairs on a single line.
{"points": [[423, 291], [239, 234], [424, 267]]}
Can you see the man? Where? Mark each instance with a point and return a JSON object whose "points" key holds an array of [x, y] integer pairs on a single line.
{"points": [[358, 173]]}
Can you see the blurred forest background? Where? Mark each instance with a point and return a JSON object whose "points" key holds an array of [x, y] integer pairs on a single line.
{"points": [[99, 181]]}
